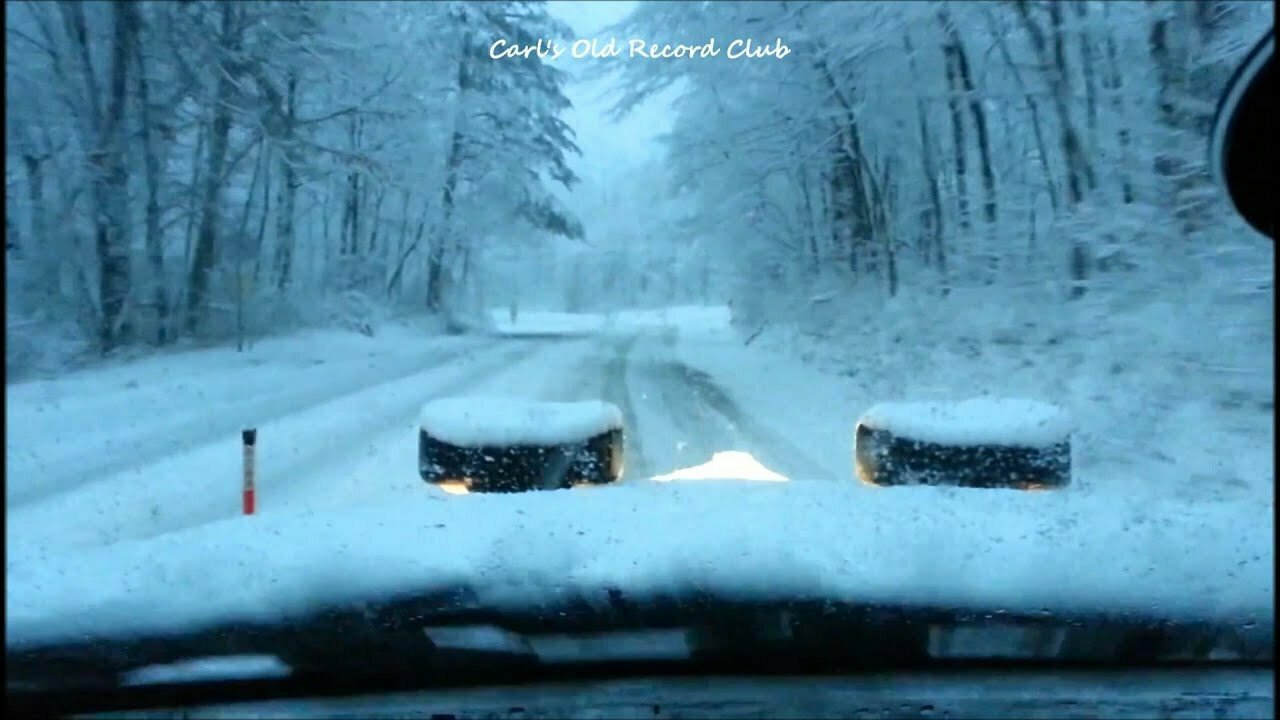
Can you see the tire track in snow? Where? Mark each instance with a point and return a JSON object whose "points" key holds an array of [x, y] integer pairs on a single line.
{"points": [[202, 485], [695, 418], [691, 434], [769, 447], [615, 389], [402, 415], [387, 462], [677, 433]]}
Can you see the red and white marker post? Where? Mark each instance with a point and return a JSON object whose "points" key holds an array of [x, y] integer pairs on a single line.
{"points": [[249, 437]]}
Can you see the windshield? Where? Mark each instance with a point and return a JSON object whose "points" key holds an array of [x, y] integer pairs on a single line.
{"points": [[918, 303]]}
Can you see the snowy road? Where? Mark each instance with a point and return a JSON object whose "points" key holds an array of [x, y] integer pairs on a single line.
{"points": [[342, 509], [683, 416], [178, 466], [675, 416], [68, 432], [150, 448]]}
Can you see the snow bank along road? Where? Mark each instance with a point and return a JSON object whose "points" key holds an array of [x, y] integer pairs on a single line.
{"points": [[105, 459], [154, 492], [92, 424]]}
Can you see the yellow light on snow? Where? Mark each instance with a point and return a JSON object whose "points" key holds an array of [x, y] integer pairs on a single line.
{"points": [[454, 487], [726, 465]]}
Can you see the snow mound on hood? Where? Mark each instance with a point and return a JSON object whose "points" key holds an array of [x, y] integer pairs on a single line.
{"points": [[489, 421], [976, 421]]}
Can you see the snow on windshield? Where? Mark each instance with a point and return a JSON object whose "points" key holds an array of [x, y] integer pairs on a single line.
{"points": [[474, 421], [975, 421], [970, 222], [991, 550]]}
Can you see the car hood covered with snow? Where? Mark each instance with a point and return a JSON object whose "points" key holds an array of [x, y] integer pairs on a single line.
{"points": [[1016, 552]]}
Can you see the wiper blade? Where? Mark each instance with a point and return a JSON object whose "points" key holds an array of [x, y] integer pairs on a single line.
{"points": [[391, 639], [336, 684], [363, 638]]}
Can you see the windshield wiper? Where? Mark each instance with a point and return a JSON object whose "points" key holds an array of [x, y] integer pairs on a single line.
{"points": [[389, 646]]}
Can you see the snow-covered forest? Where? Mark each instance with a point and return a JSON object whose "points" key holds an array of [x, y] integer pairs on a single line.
{"points": [[925, 172], [1000, 196], [206, 170]]}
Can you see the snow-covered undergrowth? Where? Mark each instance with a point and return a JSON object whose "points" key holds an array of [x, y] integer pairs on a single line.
{"points": [[996, 549], [35, 347], [41, 347], [1167, 372]]}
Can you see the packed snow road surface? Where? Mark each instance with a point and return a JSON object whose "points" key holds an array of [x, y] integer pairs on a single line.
{"points": [[135, 452], [684, 418]]}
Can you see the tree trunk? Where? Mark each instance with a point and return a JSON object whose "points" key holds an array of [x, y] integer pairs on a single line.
{"points": [[1079, 170], [351, 206], [152, 164], [193, 212], [402, 239], [442, 243], [1174, 61], [241, 241], [884, 203], [111, 183], [393, 285], [1072, 144], [1087, 70], [260, 239], [959, 147], [979, 125], [843, 207], [207, 237], [375, 221], [12, 238], [1111, 82], [811, 230], [35, 196], [1042, 147], [286, 201], [934, 217]]}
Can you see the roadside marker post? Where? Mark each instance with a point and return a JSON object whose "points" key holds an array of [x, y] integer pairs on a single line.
{"points": [[249, 437]]}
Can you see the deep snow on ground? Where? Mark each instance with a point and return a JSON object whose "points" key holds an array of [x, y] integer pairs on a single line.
{"points": [[1168, 392], [95, 423], [301, 458]]}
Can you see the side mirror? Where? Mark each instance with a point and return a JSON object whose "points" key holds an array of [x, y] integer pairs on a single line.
{"points": [[1241, 147]]}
